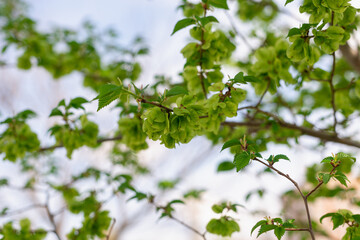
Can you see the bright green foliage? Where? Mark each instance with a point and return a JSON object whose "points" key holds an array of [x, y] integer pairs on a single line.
{"points": [[156, 123], [345, 217], [84, 132], [224, 226], [272, 65], [167, 184], [92, 227], [132, 134], [264, 10], [195, 193], [276, 224], [18, 139], [168, 209], [25, 232]]}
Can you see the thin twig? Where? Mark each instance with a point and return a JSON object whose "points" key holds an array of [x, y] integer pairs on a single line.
{"points": [[156, 104], [332, 89], [51, 217], [111, 228], [238, 33], [188, 227]]}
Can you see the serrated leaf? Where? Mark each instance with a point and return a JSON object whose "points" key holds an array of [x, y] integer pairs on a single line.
{"points": [[258, 224], [224, 226], [241, 160], [326, 178], [265, 228], [230, 143], [183, 23], [219, 4], [177, 90], [108, 94], [279, 232], [337, 220]]}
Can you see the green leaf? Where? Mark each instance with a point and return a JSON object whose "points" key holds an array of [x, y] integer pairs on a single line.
{"points": [[218, 208], [225, 166], [251, 79], [265, 228], [224, 226], [258, 224], [280, 156], [342, 178], [56, 112], [108, 94], [293, 32], [326, 178], [279, 232], [183, 23], [288, 1], [219, 4], [356, 218], [77, 102], [194, 193], [326, 216], [337, 220], [241, 160], [230, 143], [177, 90], [327, 159], [208, 19]]}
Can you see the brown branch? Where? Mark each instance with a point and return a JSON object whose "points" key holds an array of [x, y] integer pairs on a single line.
{"points": [[310, 230], [332, 89], [22, 210], [111, 228], [297, 229], [188, 227], [156, 104], [51, 218], [100, 140], [320, 183]]}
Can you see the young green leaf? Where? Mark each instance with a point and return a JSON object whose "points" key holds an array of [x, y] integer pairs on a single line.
{"points": [[177, 90], [208, 19], [241, 160], [183, 23], [279, 157], [107, 94], [219, 3], [258, 224], [225, 166], [279, 232], [230, 143]]}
